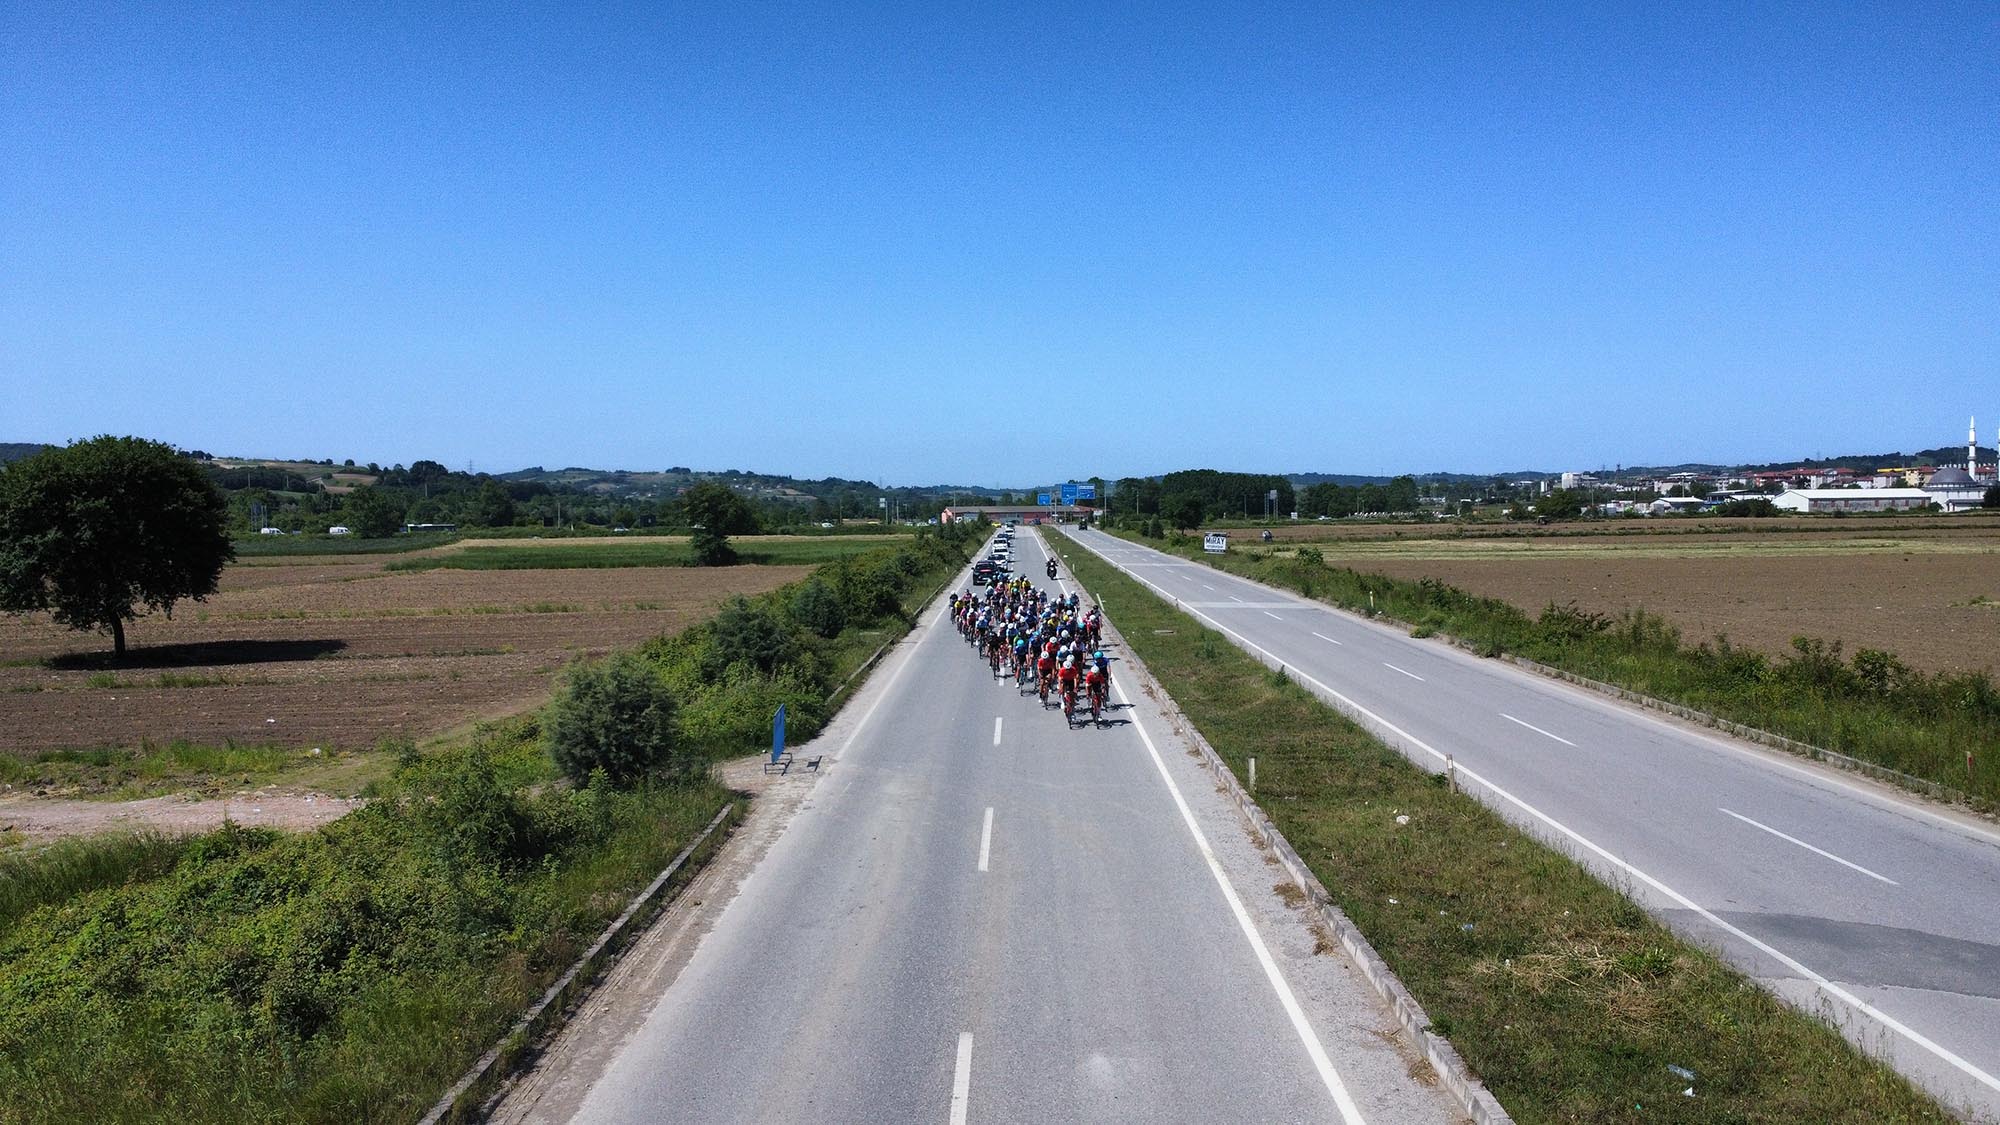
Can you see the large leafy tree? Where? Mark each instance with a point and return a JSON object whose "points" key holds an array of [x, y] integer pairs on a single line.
{"points": [[374, 513], [491, 507], [717, 512], [100, 531]]}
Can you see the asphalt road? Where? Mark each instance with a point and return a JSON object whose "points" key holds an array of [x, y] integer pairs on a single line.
{"points": [[1836, 892], [979, 914]]}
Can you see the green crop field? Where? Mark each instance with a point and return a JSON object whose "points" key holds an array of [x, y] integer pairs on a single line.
{"points": [[575, 554]]}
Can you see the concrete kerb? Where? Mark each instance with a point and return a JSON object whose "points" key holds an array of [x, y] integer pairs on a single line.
{"points": [[467, 1094], [1920, 785], [1471, 1093]]}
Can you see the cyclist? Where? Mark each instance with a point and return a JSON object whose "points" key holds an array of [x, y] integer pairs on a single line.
{"points": [[1097, 683], [1066, 679]]}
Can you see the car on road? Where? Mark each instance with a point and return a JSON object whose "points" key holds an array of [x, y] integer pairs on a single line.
{"points": [[986, 571]]}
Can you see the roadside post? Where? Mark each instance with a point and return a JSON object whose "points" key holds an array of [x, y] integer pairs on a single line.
{"points": [[778, 762]]}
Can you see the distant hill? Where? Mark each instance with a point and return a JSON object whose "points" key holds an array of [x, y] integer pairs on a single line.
{"points": [[15, 450]]}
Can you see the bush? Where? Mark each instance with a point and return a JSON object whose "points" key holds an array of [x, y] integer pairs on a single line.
{"points": [[816, 607], [617, 716], [751, 634]]}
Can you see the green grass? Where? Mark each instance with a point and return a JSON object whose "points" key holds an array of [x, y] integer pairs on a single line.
{"points": [[639, 553], [280, 546], [347, 974], [1869, 706], [152, 769], [68, 868], [1562, 994], [171, 680]]}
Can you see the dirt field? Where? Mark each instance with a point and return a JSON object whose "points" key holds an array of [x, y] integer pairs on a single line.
{"points": [[1927, 590], [338, 652]]}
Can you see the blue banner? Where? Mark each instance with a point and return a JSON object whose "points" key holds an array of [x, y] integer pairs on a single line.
{"points": [[778, 734]]}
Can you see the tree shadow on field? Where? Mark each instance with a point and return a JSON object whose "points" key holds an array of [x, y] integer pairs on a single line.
{"points": [[201, 654]]}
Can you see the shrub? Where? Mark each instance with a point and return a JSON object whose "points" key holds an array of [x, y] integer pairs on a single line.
{"points": [[474, 820], [749, 633], [816, 607], [617, 716], [1569, 622]]}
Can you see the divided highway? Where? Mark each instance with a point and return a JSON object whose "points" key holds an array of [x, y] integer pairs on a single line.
{"points": [[978, 914], [1834, 891]]}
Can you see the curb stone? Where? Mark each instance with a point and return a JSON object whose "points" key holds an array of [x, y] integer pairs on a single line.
{"points": [[1472, 1095], [1932, 789]]}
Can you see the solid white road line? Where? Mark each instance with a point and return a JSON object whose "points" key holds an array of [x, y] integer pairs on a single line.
{"points": [[961, 1080], [1342, 1100], [1809, 847], [1833, 990], [1536, 729], [996, 730], [1272, 616], [986, 840], [1327, 639], [888, 689], [1412, 675]]}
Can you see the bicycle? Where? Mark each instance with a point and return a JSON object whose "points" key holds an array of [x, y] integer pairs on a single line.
{"points": [[1069, 706]]}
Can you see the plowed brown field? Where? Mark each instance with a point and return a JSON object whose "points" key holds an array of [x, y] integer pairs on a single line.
{"points": [[1926, 589], [340, 653]]}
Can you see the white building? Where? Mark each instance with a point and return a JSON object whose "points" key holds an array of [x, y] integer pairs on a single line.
{"points": [[1666, 504], [1851, 499], [1955, 490]]}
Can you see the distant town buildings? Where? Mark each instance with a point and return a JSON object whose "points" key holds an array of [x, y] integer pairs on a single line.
{"points": [[1831, 488]]}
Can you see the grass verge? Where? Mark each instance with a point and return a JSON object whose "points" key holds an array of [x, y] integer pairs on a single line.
{"points": [[152, 770], [1939, 728], [348, 974], [1561, 993]]}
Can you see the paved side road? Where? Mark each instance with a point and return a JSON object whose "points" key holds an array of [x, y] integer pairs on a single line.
{"points": [[1834, 891], [977, 914]]}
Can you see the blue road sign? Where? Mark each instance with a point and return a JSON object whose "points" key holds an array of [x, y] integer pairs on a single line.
{"points": [[1086, 492], [1069, 494], [778, 734], [1042, 498]]}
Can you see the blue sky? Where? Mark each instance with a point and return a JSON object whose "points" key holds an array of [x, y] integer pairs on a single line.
{"points": [[1002, 244]]}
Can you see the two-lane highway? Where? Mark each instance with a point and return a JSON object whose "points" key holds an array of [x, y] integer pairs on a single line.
{"points": [[1834, 891], [981, 914]]}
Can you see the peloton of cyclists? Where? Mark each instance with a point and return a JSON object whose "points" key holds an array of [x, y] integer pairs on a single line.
{"points": [[1046, 643]]}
